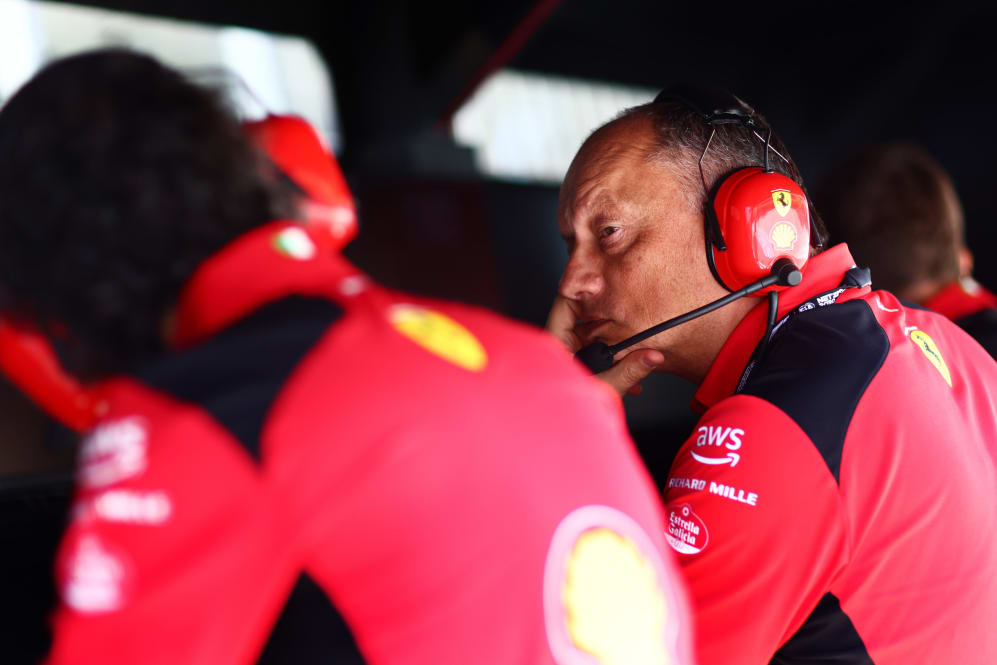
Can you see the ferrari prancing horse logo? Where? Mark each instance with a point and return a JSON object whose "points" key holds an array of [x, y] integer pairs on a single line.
{"points": [[439, 334], [931, 352], [783, 201]]}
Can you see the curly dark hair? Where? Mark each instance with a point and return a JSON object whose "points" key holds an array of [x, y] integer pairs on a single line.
{"points": [[117, 178]]}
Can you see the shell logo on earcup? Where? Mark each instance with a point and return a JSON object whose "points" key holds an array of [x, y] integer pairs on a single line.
{"points": [[783, 236], [761, 217]]}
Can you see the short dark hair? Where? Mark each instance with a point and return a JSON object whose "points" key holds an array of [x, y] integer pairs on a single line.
{"points": [[118, 176], [897, 210], [681, 135]]}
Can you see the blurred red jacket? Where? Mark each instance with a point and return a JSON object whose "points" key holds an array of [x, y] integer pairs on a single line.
{"points": [[452, 487]]}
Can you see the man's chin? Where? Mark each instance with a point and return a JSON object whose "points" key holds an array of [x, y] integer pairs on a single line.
{"points": [[655, 343], [597, 330], [614, 333]]}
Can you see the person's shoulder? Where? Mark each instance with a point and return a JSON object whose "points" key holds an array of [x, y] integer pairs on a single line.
{"points": [[377, 309], [965, 342], [470, 336], [982, 326], [147, 436], [822, 351], [818, 367]]}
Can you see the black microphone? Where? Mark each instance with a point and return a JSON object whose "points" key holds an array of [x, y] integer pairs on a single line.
{"points": [[598, 356]]}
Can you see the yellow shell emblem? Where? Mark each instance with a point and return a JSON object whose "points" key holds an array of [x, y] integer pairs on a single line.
{"points": [[614, 608], [440, 335], [783, 201], [783, 235], [931, 352]]}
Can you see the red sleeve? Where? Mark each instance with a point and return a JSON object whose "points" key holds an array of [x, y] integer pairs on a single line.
{"points": [[171, 556], [755, 516]]}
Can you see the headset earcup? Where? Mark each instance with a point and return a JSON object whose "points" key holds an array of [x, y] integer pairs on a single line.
{"points": [[718, 211], [296, 148], [762, 217]]}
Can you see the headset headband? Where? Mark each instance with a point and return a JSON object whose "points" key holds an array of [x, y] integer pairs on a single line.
{"points": [[713, 105], [716, 106]]}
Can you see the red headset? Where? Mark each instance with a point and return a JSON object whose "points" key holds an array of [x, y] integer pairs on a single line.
{"points": [[295, 148], [754, 215]]}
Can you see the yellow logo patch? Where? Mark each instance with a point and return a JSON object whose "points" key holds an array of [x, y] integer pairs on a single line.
{"points": [[783, 201], [614, 608], [783, 235], [439, 334], [931, 352]]}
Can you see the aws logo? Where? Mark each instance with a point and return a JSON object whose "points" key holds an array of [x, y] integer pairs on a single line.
{"points": [[725, 438]]}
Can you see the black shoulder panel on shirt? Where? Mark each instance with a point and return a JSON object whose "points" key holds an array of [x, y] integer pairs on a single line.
{"points": [[236, 375], [982, 326], [827, 636], [310, 630], [913, 305], [817, 368]]}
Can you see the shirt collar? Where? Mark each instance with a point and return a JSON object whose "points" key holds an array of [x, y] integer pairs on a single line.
{"points": [[271, 262], [822, 272], [961, 298]]}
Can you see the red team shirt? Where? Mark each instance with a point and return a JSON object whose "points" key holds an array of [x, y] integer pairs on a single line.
{"points": [[452, 487], [837, 502], [972, 307]]}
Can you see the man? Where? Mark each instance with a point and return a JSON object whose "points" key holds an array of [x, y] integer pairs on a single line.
{"points": [[836, 500], [36, 443], [293, 461], [898, 210]]}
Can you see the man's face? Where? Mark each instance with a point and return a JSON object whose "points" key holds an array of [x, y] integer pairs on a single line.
{"points": [[636, 243]]}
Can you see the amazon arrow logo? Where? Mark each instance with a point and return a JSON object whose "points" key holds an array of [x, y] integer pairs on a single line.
{"points": [[732, 459]]}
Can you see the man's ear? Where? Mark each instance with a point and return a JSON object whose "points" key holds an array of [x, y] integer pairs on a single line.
{"points": [[965, 262]]}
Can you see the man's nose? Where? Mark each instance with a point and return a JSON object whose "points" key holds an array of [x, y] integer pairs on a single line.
{"points": [[582, 277]]}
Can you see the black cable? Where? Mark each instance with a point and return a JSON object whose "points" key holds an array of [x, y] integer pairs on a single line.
{"points": [[763, 343], [598, 356], [773, 312], [696, 313], [768, 145]]}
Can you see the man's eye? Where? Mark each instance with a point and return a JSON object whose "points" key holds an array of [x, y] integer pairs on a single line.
{"points": [[607, 231]]}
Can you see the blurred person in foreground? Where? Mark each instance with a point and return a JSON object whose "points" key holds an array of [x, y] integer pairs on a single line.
{"points": [[835, 502], [898, 210], [280, 433]]}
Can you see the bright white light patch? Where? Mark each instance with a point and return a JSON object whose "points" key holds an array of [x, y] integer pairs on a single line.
{"points": [[528, 127], [283, 74], [20, 45]]}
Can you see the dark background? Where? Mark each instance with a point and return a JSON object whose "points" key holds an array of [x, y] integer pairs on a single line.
{"points": [[829, 76]]}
